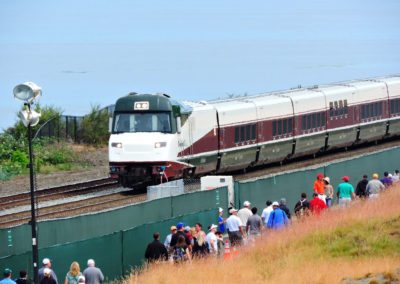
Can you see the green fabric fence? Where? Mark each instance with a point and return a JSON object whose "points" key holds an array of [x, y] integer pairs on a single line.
{"points": [[115, 247], [291, 184]]}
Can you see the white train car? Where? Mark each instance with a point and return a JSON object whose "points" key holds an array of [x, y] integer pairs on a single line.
{"points": [[154, 137]]}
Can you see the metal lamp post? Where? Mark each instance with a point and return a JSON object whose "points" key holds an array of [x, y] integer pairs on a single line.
{"points": [[28, 92]]}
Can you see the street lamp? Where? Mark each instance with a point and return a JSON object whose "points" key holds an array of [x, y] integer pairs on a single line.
{"points": [[28, 92]]}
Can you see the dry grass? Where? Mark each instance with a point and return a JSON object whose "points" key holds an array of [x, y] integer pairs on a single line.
{"points": [[362, 239]]}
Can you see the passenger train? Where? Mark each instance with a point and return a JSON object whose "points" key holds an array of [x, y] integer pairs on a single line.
{"points": [[154, 138]]}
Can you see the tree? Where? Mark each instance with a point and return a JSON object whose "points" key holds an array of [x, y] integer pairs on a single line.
{"points": [[95, 126], [18, 131]]}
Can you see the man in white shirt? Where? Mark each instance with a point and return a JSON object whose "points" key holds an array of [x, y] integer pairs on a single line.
{"points": [[167, 241], [211, 240], [234, 227], [244, 214], [265, 214]]}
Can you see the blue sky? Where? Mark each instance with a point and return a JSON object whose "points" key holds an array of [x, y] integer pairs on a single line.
{"points": [[84, 53]]}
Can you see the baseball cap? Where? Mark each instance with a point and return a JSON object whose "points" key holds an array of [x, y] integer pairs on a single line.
{"points": [[81, 279], [173, 228], [213, 227], [220, 210], [180, 225], [232, 210], [187, 228], [46, 261], [345, 178], [7, 271], [246, 203], [46, 271], [275, 203]]}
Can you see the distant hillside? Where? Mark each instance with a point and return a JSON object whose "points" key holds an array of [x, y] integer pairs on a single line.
{"points": [[355, 242]]}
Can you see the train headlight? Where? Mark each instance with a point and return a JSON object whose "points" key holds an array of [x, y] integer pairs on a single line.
{"points": [[160, 144], [116, 145]]}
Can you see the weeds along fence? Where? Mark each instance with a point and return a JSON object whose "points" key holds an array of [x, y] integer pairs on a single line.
{"points": [[117, 239]]}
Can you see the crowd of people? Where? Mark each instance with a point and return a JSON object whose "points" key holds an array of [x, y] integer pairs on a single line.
{"points": [[243, 226], [46, 275]]}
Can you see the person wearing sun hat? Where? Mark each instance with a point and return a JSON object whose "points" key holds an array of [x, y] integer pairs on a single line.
{"points": [[211, 240], [345, 192], [328, 191]]}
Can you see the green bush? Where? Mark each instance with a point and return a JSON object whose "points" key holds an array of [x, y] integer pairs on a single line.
{"points": [[20, 157], [56, 154], [95, 127]]}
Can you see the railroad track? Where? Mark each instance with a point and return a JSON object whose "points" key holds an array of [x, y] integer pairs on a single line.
{"points": [[50, 193], [98, 195], [65, 201]]}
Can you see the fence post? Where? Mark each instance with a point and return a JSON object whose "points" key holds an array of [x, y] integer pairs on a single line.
{"points": [[66, 127], [75, 130]]}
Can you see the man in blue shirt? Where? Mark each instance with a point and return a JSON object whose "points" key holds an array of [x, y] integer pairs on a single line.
{"points": [[221, 221], [7, 277], [278, 218]]}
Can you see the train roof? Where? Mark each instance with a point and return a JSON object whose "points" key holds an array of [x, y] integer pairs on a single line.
{"points": [[143, 102]]}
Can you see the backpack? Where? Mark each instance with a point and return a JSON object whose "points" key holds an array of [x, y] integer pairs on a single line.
{"points": [[179, 254], [300, 209]]}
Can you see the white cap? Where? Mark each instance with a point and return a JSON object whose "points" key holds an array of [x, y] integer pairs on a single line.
{"points": [[81, 279], [275, 203], [213, 227], [220, 210], [232, 210], [46, 271], [46, 261], [246, 203]]}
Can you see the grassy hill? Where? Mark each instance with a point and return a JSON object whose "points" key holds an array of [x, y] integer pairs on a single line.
{"points": [[355, 242]]}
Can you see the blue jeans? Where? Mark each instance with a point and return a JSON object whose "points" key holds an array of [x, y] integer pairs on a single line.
{"points": [[328, 202]]}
